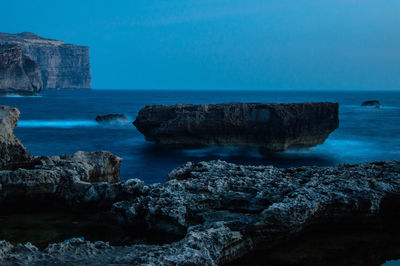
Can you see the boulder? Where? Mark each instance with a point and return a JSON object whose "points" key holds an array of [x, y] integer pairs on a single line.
{"points": [[19, 74], [373, 103], [272, 127], [12, 152], [112, 118]]}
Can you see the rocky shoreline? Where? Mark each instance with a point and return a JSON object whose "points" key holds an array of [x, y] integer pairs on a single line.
{"points": [[214, 212]]}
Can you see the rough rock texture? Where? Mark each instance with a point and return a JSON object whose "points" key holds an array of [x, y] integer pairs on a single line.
{"points": [[11, 149], [228, 210], [18, 73], [374, 103], [112, 118], [63, 66], [272, 127], [219, 210]]}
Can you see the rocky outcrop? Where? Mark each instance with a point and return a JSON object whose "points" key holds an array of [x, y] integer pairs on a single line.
{"points": [[226, 210], [11, 149], [217, 211], [19, 74], [112, 118], [63, 66], [272, 127], [373, 103]]}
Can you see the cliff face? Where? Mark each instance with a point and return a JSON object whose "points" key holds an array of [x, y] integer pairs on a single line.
{"points": [[18, 73], [63, 66], [272, 127]]}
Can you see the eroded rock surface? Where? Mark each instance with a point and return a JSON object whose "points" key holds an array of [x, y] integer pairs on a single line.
{"points": [[272, 127], [63, 66], [219, 211], [19, 74], [11, 149]]}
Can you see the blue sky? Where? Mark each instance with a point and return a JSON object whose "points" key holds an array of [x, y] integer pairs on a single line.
{"points": [[225, 44]]}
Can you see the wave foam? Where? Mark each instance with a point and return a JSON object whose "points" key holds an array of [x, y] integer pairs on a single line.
{"points": [[56, 123]]}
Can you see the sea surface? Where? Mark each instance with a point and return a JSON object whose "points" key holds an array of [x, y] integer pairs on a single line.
{"points": [[62, 122]]}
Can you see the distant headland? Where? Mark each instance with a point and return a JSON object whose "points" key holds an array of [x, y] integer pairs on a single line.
{"points": [[62, 65]]}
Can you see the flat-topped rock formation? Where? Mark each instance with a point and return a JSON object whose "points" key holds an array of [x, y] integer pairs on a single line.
{"points": [[218, 211], [63, 66], [270, 126], [19, 74]]}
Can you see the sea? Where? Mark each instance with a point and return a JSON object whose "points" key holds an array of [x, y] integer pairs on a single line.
{"points": [[63, 122]]}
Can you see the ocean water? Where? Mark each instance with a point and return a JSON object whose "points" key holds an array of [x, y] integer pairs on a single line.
{"points": [[62, 122]]}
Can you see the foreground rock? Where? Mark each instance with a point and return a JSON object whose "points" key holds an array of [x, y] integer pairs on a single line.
{"points": [[11, 149], [19, 74], [112, 119], [216, 211], [224, 211], [272, 127], [63, 66], [376, 104]]}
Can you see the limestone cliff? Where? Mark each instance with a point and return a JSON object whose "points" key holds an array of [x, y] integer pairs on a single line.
{"points": [[63, 66], [19, 74]]}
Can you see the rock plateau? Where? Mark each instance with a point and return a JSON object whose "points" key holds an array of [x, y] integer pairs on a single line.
{"points": [[272, 127]]}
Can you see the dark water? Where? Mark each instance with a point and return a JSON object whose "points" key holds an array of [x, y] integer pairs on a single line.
{"points": [[60, 122]]}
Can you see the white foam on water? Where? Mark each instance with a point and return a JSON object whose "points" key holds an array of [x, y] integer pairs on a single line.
{"points": [[56, 123], [21, 96]]}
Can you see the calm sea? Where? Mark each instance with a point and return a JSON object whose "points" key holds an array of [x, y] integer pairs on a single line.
{"points": [[61, 122]]}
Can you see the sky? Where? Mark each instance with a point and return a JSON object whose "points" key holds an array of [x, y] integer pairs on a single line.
{"points": [[224, 44]]}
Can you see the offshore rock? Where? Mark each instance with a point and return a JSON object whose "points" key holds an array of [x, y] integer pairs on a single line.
{"points": [[112, 118], [11, 149], [373, 103], [19, 74], [63, 66], [227, 211], [272, 127]]}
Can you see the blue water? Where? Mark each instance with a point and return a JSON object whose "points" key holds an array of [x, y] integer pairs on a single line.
{"points": [[61, 122]]}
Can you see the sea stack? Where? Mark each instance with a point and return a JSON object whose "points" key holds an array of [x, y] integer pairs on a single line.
{"points": [[63, 66], [19, 74], [269, 126]]}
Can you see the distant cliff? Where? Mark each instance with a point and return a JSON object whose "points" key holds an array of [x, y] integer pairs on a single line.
{"points": [[19, 74], [63, 66]]}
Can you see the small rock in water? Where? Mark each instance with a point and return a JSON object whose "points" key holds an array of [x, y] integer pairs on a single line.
{"points": [[375, 103], [112, 118]]}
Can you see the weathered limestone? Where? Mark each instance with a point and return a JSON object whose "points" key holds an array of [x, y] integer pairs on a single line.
{"points": [[63, 66], [272, 127], [11, 149], [219, 211], [19, 74]]}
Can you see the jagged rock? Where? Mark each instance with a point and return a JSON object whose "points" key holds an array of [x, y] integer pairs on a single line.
{"points": [[112, 118], [272, 127], [229, 210], [11, 149], [219, 211], [374, 103], [19, 74], [63, 66]]}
